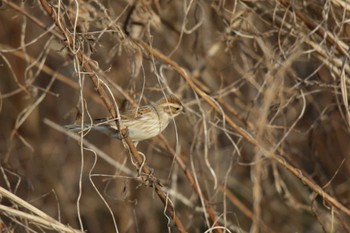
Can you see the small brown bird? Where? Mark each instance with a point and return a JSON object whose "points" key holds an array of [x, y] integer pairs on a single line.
{"points": [[142, 123]]}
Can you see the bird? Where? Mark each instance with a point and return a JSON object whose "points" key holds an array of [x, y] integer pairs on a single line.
{"points": [[142, 123]]}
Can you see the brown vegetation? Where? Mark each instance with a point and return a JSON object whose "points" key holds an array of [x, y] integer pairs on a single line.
{"points": [[264, 145]]}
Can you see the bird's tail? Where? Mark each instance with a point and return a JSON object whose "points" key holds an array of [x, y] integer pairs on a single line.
{"points": [[102, 126]]}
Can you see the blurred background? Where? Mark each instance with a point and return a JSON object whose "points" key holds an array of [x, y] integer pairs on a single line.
{"points": [[278, 69]]}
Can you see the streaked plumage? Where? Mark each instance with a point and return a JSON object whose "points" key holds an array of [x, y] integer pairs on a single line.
{"points": [[142, 123]]}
